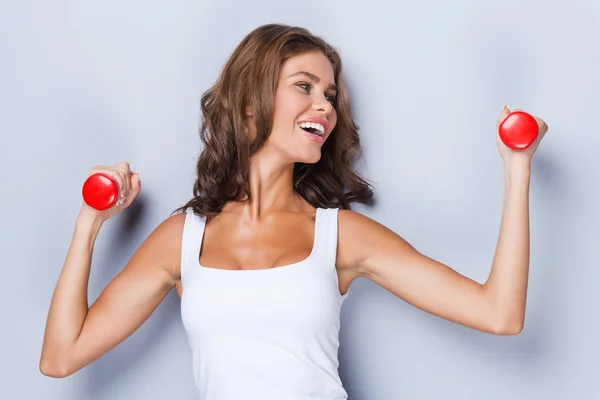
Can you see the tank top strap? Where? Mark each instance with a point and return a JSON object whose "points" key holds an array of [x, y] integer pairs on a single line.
{"points": [[191, 242], [326, 234]]}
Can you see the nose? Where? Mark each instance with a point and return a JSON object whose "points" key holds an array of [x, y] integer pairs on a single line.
{"points": [[321, 104]]}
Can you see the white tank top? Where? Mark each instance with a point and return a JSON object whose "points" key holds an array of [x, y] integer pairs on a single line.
{"points": [[268, 334]]}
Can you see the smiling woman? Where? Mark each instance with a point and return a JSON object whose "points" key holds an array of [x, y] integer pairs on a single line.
{"points": [[264, 253], [286, 71]]}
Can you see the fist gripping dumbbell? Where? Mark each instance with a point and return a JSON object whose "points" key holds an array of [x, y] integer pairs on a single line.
{"points": [[100, 191], [518, 130]]}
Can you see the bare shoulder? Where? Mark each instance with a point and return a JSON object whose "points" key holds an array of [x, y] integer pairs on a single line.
{"points": [[172, 227], [353, 224], [353, 219], [360, 238], [162, 248], [351, 229]]}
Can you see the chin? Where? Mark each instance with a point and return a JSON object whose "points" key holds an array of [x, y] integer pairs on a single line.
{"points": [[310, 157]]}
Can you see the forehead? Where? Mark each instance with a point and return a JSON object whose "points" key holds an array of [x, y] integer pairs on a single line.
{"points": [[314, 62]]}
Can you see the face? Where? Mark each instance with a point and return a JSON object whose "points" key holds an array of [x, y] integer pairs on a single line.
{"points": [[304, 113]]}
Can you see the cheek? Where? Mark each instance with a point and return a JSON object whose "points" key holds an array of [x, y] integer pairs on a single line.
{"points": [[284, 120], [332, 120], [284, 112]]}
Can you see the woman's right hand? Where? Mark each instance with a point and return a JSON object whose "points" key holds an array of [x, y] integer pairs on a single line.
{"points": [[129, 184], [76, 333]]}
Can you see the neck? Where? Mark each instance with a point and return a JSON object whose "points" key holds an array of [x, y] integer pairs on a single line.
{"points": [[271, 187]]}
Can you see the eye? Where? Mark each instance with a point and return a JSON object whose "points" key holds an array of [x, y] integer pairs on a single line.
{"points": [[305, 86]]}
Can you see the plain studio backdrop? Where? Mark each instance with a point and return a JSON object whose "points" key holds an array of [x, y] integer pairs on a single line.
{"points": [[86, 83]]}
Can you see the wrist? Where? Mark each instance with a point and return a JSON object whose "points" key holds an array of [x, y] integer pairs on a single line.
{"points": [[519, 166], [89, 220], [517, 174]]}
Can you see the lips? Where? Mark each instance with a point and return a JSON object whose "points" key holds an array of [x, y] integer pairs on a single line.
{"points": [[317, 120], [315, 137], [314, 126]]}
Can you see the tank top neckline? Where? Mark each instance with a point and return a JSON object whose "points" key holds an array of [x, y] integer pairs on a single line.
{"points": [[294, 265]]}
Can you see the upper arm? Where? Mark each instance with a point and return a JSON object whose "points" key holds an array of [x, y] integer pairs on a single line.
{"points": [[375, 252], [131, 297]]}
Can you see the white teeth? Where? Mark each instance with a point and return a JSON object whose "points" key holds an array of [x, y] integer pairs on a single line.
{"points": [[314, 125]]}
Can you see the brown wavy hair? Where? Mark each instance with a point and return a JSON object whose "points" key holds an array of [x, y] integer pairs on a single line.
{"points": [[249, 79]]}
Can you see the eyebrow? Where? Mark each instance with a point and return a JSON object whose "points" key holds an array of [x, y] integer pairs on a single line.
{"points": [[314, 78]]}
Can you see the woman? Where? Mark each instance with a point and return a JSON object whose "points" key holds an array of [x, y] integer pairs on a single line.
{"points": [[263, 255]]}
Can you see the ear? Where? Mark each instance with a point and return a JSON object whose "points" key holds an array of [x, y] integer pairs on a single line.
{"points": [[249, 112]]}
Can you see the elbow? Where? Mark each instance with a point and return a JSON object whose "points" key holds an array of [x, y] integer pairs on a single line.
{"points": [[511, 330], [54, 368], [508, 327]]}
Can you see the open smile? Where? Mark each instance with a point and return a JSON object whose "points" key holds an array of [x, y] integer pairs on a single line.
{"points": [[314, 129]]}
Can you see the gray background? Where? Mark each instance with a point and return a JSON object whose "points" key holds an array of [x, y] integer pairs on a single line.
{"points": [[85, 83]]}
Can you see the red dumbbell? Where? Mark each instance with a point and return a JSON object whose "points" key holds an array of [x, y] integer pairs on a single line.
{"points": [[100, 191], [518, 130]]}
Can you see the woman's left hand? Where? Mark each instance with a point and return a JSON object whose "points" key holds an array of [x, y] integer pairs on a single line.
{"points": [[510, 155]]}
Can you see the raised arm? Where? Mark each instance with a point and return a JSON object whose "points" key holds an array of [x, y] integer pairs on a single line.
{"points": [[497, 306], [77, 335]]}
